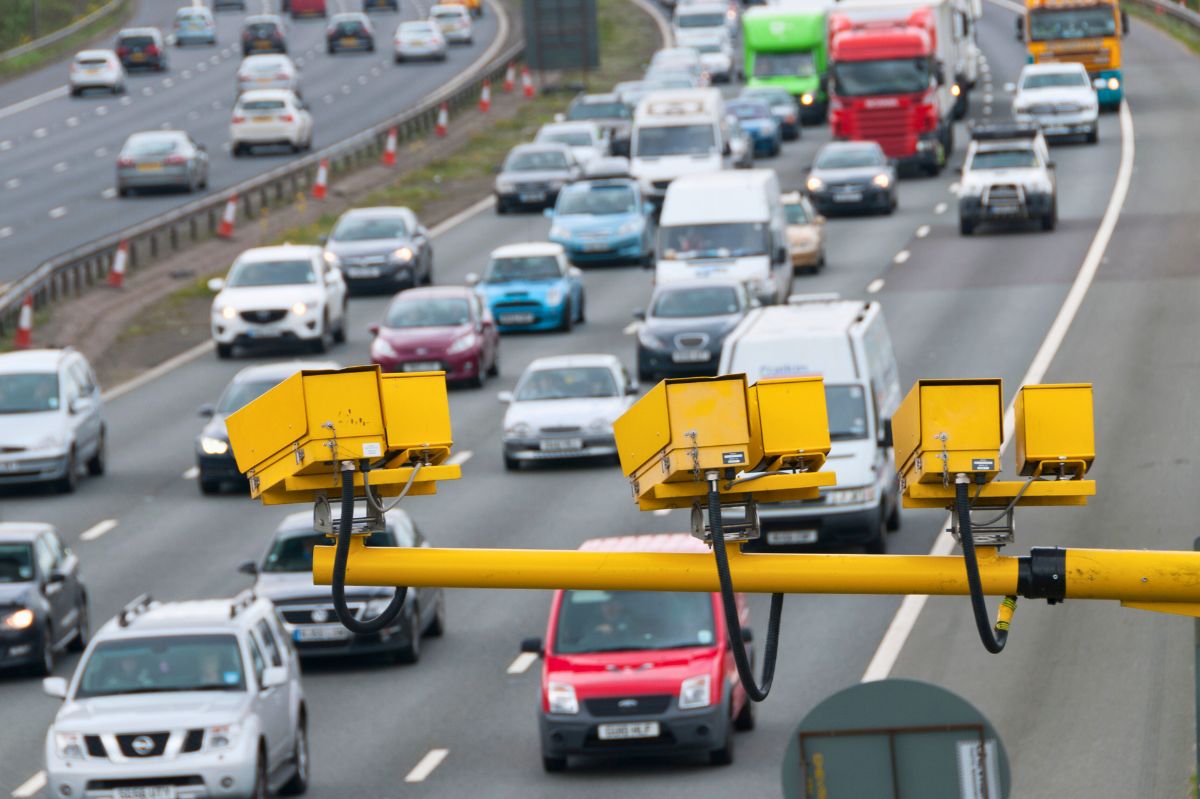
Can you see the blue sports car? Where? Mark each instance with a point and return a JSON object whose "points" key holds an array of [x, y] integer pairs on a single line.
{"points": [[532, 287], [760, 124], [603, 221]]}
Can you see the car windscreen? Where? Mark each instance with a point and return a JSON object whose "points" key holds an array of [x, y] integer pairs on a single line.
{"points": [[621, 621], [694, 302], [723, 240], [268, 65], [700, 20], [151, 145], [261, 30], [369, 229], [241, 392], [349, 27], [886, 76], [573, 138], [261, 105], [675, 140], [31, 392], [271, 273], [849, 158], [1072, 23], [710, 47], [416, 29], [796, 213], [613, 110], [598, 201], [569, 382], [16, 563], [784, 65], [1054, 80], [535, 161], [1004, 159], [188, 15], [769, 96], [847, 410], [293, 552], [428, 312], [92, 62], [136, 41], [749, 110], [162, 663], [533, 267]]}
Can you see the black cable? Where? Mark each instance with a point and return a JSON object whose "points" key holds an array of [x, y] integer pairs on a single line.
{"points": [[993, 640], [732, 623], [340, 555]]}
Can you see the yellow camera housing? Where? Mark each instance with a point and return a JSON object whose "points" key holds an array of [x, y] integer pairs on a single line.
{"points": [[1055, 429], [944, 427]]}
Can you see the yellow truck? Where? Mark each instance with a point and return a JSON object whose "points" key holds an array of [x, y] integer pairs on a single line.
{"points": [[1087, 32]]}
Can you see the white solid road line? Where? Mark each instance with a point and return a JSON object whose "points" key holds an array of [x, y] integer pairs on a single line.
{"points": [[522, 663], [31, 786], [422, 770], [875, 286], [40, 133], [97, 530], [911, 606], [459, 458], [902, 257], [192, 473], [37, 99], [463, 215], [158, 371]]}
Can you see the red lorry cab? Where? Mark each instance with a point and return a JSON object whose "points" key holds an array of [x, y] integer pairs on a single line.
{"points": [[304, 8], [638, 672], [884, 87]]}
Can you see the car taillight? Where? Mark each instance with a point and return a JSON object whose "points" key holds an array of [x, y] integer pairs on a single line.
{"points": [[286, 118], [124, 162], [151, 49], [238, 119], [122, 51], [175, 159]]}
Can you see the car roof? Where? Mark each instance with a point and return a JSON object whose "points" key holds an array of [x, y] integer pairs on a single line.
{"points": [[157, 134], [540, 147], [605, 97], [569, 361], [267, 57], [413, 23], [266, 94], [646, 542], [186, 617], [139, 32], [281, 370], [1057, 66], [433, 292], [849, 145], [447, 7], [527, 248], [378, 212], [187, 10], [17, 532], [576, 124], [95, 54], [26, 360], [280, 251], [696, 283], [999, 145]]}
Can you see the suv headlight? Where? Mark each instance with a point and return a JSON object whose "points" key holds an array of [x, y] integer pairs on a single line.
{"points": [[213, 446], [850, 496], [69, 745], [518, 430], [461, 344], [600, 425], [561, 698], [815, 184], [225, 311], [300, 309], [401, 254], [221, 736], [559, 232], [554, 296], [970, 190], [19, 619], [648, 339], [504, 186], [695, 692], [632, 226], [882, 180]]}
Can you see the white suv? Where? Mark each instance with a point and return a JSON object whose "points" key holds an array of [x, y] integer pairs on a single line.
{"points": [[96, 69], [270, 117], [279, 295], [1060, 98], [182, 700]]}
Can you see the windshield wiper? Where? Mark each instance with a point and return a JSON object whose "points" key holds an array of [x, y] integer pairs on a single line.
{"points": [[169, 690]]}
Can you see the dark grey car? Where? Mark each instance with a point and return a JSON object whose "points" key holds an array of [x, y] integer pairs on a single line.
{"points": [[852, 176], [684, 326], [609, 112], [533, 174], [385, 248], [162, 159], [284, 575]]}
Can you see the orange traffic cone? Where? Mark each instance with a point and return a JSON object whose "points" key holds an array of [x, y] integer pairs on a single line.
{"points": [[485, 97], [24, 337], [443, 120], [526, 82], [321, 187], [510, 79], [116, 275], [389, 151], [225, 229]]}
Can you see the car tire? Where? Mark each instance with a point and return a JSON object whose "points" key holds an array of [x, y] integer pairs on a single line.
{"points": [[511, 464], [893, 519], [878, 545], [494, 369], [1093, 135], [224, 351], [45, 664], [208, 486], [398, 59], [83, 628], [437, 627], [70, 480], [262, 787], [1050, 220], [965, 226], [123, 191], [76, 92], [97, 464], [553, 765], [411, 653], [582, 308], [724, 755], [501, 207], [298, 784], [237, 149], [568, 318], [745, 718], [339, 334]]}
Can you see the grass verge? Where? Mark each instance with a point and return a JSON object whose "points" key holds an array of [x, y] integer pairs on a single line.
{"points": [[45, 55], [1185, 33]]}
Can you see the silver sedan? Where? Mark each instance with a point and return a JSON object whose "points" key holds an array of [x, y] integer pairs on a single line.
{"points": [[162, 159], [268, 71], [421, 39]]}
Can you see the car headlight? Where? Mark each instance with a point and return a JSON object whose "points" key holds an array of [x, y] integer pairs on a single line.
{"points": [[402, 254], [504, 186], [69, 745], [1114, 84], [806, 99], [331, 259], [815, 184], [518, 430], [221, 736], [882, 181], [850, 496], [19, 619], [377, 606], [300, 309], [461, 344], [227, 312], [213, 446], [695, 692], [648, 339], [559, 232], [380, 348], [632, 226], [554, 296], [561, 698], [600, 425], [970, 190]]}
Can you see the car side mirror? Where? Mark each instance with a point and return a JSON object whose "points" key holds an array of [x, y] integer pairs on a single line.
{"points": [[885, 434], [80, 405], [632, 389], [216, 284], [55, 578], [548, 213], [274, 677], [505, 396], [747, 635], [206, 411], [55, 686], [248, 567], [639, 315], [373, 330], [471, 279], [1020, 28], [533, 646]]}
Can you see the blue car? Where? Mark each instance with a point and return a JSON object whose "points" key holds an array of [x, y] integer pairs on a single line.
{"points": [[195, 25], [760, 124], [532, 287], [603, 221]]}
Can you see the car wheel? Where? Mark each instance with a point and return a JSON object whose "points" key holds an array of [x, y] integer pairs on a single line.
{"points": [[511, 464], [224, 351], [339, 335], [494, 369], [412, 652], [582, 308], [878, 544], [1050, 220], [744, 720], [501, 207], [76, 92], [893, 521], [262, 788], [398, 59], [321, 343], [568, 318], [1093, 135], [965, 226], [553, 765], [438, 625], [97, 463], [298, 784], [208, 486], [122, 191], [724, 755], [45, 663], [70, 480], [237, 150], [83, 627]]}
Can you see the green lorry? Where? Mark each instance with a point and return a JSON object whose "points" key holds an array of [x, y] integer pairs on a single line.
{"points": [[786, 47]]}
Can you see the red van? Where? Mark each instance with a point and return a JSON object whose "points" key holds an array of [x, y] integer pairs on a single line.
{"points": [[307, 8], [631, 673]]}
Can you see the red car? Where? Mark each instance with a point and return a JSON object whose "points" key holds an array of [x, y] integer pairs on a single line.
{"points": [[639, 672], [303, 8], [438, 328]]}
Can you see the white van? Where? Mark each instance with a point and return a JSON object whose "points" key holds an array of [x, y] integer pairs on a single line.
{"points": [[847, 343], [678, 132], [727, 224], [697, 22]]}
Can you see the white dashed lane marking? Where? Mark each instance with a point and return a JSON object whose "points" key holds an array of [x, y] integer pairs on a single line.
{"points": [[6, 145], [875, 286], [59, 212], [522, 663], [40, 133], [31, 786], [108, 193], [61, 166], [902, 257], [459, 458], [922, 231], [5, 232], [431, 761], [192, 473], [12, 183], [940, 208], [97, 530]]}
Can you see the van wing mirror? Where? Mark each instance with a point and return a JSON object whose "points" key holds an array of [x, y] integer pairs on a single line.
{"points": [[885, 433]]}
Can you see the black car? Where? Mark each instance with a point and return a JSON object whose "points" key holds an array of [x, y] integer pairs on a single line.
{"points": [[214, 457], [684, 326], [142, 48], [284, 575], [263, 33], [351, 31], [532, 176], [382, 248], [852, 176], [609, 112], [43, 602]]}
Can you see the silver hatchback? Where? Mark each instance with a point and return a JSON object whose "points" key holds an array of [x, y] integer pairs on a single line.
{"points": [[162, 159]]}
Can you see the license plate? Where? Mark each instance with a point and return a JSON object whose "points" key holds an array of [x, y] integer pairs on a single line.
{"points": [[1004, 211], [92, 71], [848, 197], [561, 445], [598, 246], [349, 41], [532, 196], [260, 332], [633, 729], [362, 271], [421, 366], [783, 537], [147, 792], [262, 119], [137, 57], [690, 356], [11, 466], [261, 45], [516, 319], [321, 633], [149, 167]]}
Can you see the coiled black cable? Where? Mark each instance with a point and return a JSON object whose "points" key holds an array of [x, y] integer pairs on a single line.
{"points": [[993, 640], [340, 554], [732, 623]]}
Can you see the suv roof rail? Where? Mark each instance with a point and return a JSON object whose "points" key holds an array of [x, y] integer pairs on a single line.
{"points": [[242, 601], [1012, 130], [139, 605]]}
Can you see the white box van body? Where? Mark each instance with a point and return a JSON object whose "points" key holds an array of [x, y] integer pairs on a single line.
{"points": [[847, 343], [730, 225], [675, 133]]}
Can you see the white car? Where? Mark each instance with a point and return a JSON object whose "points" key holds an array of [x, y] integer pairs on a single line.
{"points": [[419, 39], [716, 57], [270, 117], [294, 294], [698, 21], [1060, 98], [268, 71], [455, 22], [96, 69], [564, 406], [586, 139]]}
